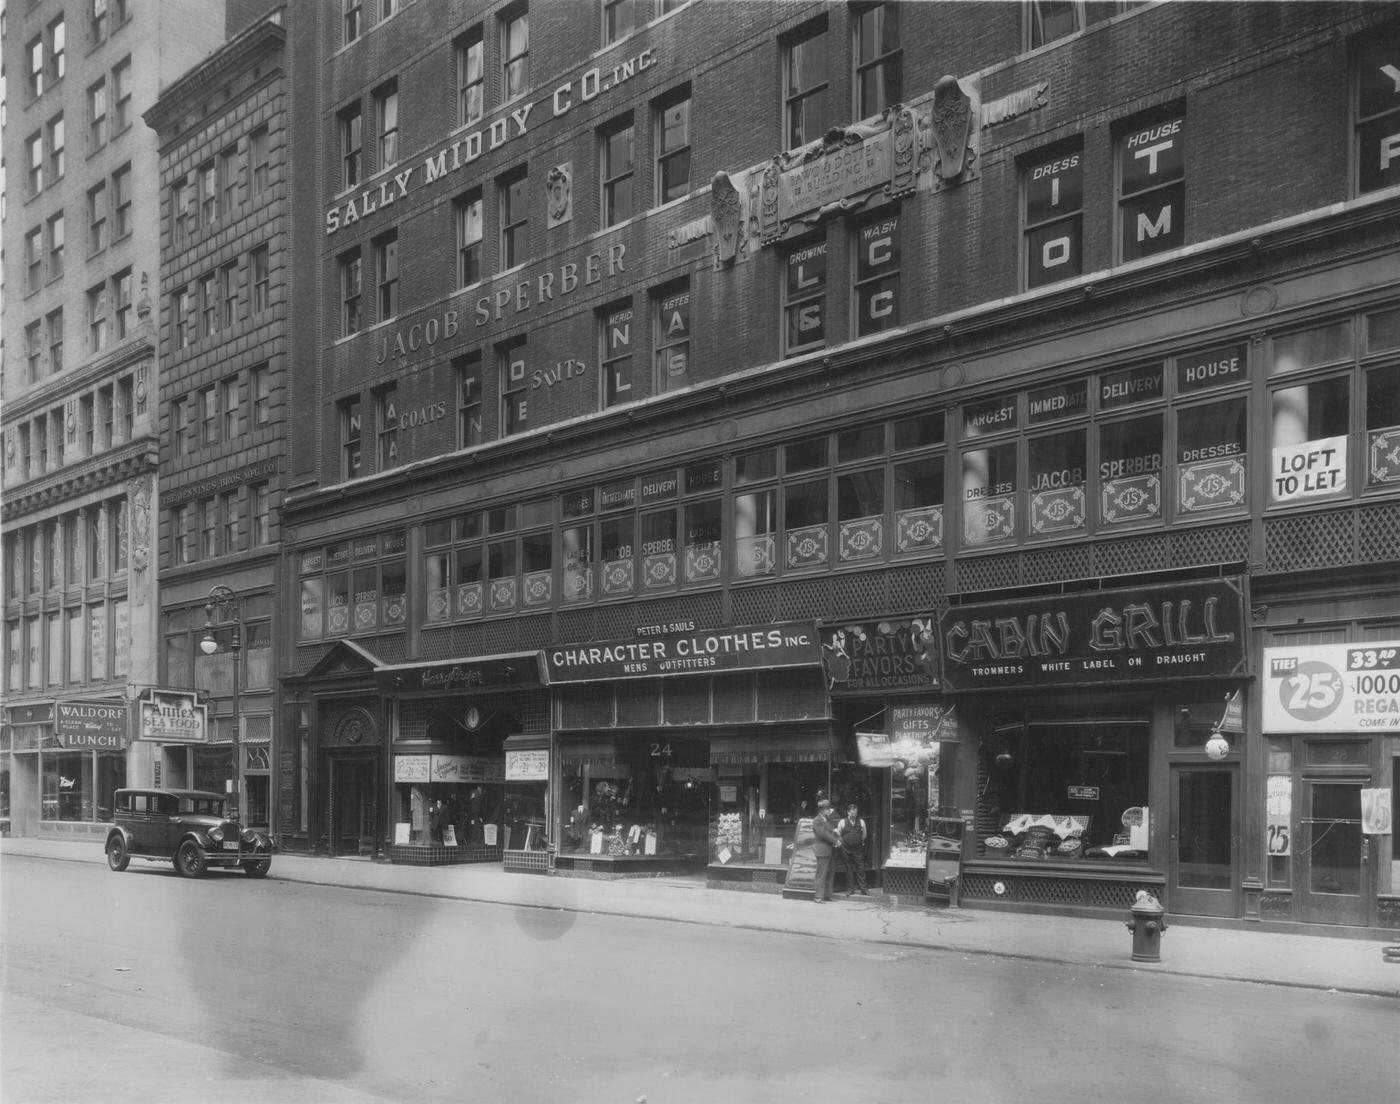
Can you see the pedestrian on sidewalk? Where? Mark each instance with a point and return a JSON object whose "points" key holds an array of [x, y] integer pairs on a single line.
{"points": [[826, 845], [851, 828]]}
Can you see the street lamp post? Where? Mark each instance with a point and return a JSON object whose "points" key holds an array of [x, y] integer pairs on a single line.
{"points": [[222, 608]]}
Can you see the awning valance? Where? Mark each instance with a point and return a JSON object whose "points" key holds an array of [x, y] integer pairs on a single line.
{"points": [[772, 747]]}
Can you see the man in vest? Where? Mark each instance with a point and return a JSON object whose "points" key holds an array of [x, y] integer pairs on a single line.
{"points": [[852, 831]]}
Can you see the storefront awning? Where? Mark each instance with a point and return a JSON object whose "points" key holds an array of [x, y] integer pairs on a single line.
{"points": [[527, 741], [598, 752], [772, 747]]}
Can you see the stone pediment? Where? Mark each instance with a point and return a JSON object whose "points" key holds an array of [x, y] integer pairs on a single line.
{"points": [[345, 658]]}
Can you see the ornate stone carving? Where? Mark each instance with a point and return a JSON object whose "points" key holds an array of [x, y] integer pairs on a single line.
{"points": [[904, 152], [138, 492], [952, 127], [559, 192], [726, 209]]}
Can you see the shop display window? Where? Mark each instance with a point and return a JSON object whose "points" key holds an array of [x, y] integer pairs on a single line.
{"points": [[918, 790], [757, 808], [80, 785], [647, 797], [454, 814], [1064, 792]]}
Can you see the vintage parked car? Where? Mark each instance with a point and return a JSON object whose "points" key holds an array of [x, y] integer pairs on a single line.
{"points": [[188, 827]]}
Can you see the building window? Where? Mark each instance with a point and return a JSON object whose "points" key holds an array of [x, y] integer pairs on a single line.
{"points": [[879, 80], [386, 276], [515, 409], [207, 511], [877, 275], [1152, 186], [208, 177], [34, 351], [228, 520], [97, 20], [228, 182], [386, 426], [182, 549], [387, 8], [1053, 185], [182, 204], [58, 45], [55, 327], [259, 165], [515, 52], [1048, 20], [260, 384], [471, 77], [97, 115], [350, 289], [619, 19], [469, 238], [181, 437], [515, 226], [471, 429], [352, 12], [351, 457], [616, 340], [351, 140], [34, 259], [35, 52], [99, 337], [259, 280], [672, 337], [228, 295], [121, 96], [805, 81], [56, 236], [804, 298], [1378, 110], [182, 318], [259, 515], [121, 203], [97, 218], [121, 303], [386, 119], [209, 304], [57, 163], [673, 147], [618, 157], [229, 401], [209, 417], [35, 146]]}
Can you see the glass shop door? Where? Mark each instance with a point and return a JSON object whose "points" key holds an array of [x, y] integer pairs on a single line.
{"points": [[1334, 870], [1203, 863]]}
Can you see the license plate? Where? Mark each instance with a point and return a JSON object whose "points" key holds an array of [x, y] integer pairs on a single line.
{"points": [[230, 845]]}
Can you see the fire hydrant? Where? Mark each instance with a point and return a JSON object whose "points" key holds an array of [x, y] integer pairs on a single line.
{"points": [[1147, 922]]}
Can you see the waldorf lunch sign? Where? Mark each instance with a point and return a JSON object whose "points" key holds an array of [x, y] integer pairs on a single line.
{"points": [[682, 653], [1192, 629], [99, 726]]}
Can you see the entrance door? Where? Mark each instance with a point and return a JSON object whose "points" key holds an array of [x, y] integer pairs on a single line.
{"points": [[1203, 862], [353, 817], [1334, 875]]}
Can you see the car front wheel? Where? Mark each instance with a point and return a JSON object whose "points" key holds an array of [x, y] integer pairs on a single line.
{"points": [[189, 860], [257, 868], [118, 858]]}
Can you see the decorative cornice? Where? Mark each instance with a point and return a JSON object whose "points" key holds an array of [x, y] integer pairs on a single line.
{"points": [[100, 369], [126, 461], [175, 100]]}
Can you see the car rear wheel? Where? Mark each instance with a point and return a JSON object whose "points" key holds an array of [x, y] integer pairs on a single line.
{"points": [[118, 858], [189, 860], [257, 868]]}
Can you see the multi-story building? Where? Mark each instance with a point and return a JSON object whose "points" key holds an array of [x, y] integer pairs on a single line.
{"points": [[79, 391], [947, 408], [229, 228]]}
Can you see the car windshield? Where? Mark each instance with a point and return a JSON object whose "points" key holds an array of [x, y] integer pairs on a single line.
{"points": [[207, 806]]}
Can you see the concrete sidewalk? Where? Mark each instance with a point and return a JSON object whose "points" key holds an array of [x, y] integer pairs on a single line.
{"points": [[1272, 958]]}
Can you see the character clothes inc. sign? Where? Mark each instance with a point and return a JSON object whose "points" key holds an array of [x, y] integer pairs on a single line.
{"points": [[789, 645], [1190, 629], [91, 725]]}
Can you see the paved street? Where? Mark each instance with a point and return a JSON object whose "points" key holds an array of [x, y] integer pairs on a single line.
{"points": [[231, 989]]}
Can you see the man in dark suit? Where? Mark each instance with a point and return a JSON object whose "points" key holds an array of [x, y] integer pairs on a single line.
{"points": [[826, 845]]}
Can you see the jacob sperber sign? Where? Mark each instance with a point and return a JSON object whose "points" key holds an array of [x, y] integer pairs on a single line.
{"points": [[1191, 629]]}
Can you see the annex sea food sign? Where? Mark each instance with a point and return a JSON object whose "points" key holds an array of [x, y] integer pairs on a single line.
{"points": [[1191, 629]]}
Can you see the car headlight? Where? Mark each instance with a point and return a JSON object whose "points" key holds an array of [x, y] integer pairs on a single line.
{"points": [[250, 837], [217, 834]]}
